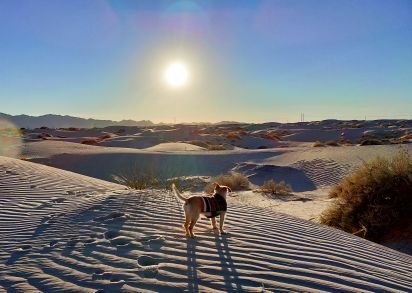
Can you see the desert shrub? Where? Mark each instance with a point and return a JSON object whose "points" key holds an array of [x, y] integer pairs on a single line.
{"points": [[89, 141], [371, 141], [105, 136], [198, 143], [318, 144], [235, 180], [270, 136], [233, 135], [44, 127], [137, 179], [216, 147], [406, 137], [331, 143], [273, 187], [374, 199], [73, 129], [346, 142]]}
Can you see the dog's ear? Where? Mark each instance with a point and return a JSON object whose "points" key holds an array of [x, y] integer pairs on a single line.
{"points": [[215, 185]]}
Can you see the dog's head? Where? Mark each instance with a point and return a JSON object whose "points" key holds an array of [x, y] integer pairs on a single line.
{"points": [[221, 189]]}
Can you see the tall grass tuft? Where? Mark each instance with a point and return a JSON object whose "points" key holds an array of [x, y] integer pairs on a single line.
{"points": [[374, 199], [236, 181], [273, 187], [138, 179]]}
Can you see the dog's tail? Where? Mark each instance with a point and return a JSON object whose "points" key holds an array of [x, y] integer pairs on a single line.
{"points": [[178, 194]]}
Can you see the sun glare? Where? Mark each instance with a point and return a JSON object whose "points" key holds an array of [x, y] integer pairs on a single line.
{"points": [[176, 74]]}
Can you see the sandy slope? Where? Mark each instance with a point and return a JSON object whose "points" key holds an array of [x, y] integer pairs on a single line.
{"points": [[102, 237], [163, 160], [304, 168]]}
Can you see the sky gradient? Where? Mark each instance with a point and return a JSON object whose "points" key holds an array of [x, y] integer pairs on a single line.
{"points": [[249, 61]]}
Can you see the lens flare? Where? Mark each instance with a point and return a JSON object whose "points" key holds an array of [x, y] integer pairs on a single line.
{"points": [[10, 139]]}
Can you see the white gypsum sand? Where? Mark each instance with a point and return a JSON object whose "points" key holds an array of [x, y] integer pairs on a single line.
{"points": [[67, 232]]}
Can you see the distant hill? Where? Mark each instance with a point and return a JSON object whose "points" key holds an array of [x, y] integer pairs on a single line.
{"points": [[59, 121]]}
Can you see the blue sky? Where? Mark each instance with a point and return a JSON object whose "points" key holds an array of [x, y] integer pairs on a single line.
{"points": [[248, 60]]}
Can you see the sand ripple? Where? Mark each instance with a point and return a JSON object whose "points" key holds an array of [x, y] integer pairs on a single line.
{"points": [[100, 238]]}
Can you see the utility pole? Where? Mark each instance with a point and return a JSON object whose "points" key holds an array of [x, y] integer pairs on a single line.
{"points": [[302, 117]]}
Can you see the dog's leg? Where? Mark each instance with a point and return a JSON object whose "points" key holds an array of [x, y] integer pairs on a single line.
{"points": [[192, 225], [186, 225], [213, 222], [222, 220]]}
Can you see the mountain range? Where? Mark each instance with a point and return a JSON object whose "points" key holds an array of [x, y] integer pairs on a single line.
{"points": [[60, 121]]}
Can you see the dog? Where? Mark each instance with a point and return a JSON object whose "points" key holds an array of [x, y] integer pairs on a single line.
{"points": [[209, 206]]}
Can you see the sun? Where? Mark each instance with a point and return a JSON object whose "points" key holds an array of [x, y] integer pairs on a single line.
{"points": [[176, 74]]}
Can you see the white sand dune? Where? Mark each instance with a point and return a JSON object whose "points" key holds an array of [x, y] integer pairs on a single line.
{"points": [[103, 162], [174, 146], [326, 166], [69, 233], [29, 191], [304, 168]]}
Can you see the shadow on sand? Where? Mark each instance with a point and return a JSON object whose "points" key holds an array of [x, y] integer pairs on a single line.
{"points": [[232, 281]]}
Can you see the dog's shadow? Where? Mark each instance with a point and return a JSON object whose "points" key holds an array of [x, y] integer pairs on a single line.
{"points": [[228, 269], [193, 285]]}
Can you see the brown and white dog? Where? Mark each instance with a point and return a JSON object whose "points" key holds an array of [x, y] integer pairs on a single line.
{"points": [[209, 206]]}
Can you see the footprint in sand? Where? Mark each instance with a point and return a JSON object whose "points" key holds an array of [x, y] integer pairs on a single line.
{"points": [[154, 242], [112, 217], [45, 205], [102, 275], [148, 266], [57, 199], [120, 241], [111, 234], [53, 243], [145, 260], [72, 242]]}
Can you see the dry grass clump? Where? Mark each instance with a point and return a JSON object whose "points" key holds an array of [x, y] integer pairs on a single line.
{"points": [[207, 145], [270, 136], [374, 199], [345, 142], [332, 143], [105, 136], [318, 144], [137, 179], [406, 137], [216, 147], [236, 181], [198, 143], [233, 135], [89, 141], [273, 187], [371, 141]]}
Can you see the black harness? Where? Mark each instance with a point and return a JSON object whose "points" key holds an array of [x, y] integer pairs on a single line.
{"points": [[221, 206]]}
